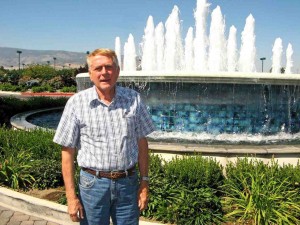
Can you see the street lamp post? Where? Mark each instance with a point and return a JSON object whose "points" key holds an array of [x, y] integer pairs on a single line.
{"points": [[19, 52], [54, 59], [262, 63]]}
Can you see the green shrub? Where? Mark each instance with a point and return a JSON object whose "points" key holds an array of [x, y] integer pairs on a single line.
{"points": [[39, 143], [158, 186], [195, 207], [10, 87], [195, 172], [47, 173], [258, 193], [67, 77], [43, 88], [29, 159], [14, 169], [177, 196], [42, 72], [69, 89]]}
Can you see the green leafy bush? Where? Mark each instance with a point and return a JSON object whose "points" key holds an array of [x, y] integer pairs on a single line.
{"points": [[69, 89], [39, 143], [29, 159], [43, 72], [10, 87], [181, 190], [14, 169], [47, 173], [258, 193], [195, 172], [67, 77], [43, 88]]}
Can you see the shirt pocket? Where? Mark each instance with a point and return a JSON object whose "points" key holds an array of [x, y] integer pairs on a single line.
{"points": [[97, 134]]}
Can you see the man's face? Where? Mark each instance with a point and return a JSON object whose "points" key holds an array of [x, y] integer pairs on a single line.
{"points": [[103, 72]]}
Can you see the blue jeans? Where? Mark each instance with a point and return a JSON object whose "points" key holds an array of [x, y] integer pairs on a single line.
{"points": [[103, 198]]}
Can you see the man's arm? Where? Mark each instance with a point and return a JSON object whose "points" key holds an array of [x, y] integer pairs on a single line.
{"points": [[75, 208], [143, 163]]}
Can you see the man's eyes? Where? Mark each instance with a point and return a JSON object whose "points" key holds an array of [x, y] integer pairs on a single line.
{"points": [[107, 67]]}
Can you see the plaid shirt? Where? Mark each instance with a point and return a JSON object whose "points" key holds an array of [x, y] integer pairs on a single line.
{"points": [[106, 136]]}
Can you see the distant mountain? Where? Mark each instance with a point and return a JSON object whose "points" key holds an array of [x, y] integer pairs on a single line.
{"points": [[9, 58]]}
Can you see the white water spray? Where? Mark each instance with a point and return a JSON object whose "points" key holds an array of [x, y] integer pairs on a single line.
{"points": [[248, 49], [173, 45], [277, 56], [232, 52], [200, 41], [289, 59], [163, 50], [189, 50], [129, 55], [160, 45], [148, 46], [217, 42], [118, 50]]}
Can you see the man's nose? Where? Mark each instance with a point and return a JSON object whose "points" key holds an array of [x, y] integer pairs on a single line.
{"points": [[104, 70]]}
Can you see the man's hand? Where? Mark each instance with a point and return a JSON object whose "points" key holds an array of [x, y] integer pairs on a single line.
{"points": [[75, 210], [143, 195]]}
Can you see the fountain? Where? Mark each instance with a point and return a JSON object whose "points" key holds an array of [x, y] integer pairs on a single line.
{"points": [[207, 91]]}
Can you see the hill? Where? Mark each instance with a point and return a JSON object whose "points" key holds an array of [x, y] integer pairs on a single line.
{"points": [[9, 58]]}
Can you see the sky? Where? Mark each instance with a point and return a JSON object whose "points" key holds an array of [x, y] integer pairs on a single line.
{"points": [[84, 25]]}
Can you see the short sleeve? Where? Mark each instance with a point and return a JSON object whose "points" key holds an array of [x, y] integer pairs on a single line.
{"points": [[67, 132], [145, 124]]}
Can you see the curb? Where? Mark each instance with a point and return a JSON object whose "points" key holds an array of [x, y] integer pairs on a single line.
{"points": [[56, 94], [10, 93], [41, 208]]}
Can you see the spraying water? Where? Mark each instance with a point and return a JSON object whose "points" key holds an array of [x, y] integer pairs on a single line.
{"points": [[217, 42], [232, 52], [277, 56], [129, 55], [173, 45], [162, 47], [200, 41], [248, 49], [189, 50], [289, 60], [118, 50], [148, 46]]}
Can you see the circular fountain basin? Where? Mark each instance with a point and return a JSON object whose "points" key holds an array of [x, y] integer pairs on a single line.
{"points": [[37, 119]]}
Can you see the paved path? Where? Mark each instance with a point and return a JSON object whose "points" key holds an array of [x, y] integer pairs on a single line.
{"points": [[11, 217], [21, 209], [30, 94]]}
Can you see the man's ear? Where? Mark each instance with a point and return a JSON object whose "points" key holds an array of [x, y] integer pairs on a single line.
{"points": [[90, 74], [118, 71]]}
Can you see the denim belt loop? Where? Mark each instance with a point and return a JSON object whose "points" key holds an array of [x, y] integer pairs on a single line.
{"points": [[97, 173]]}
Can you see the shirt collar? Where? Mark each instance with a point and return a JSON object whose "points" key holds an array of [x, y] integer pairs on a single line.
{"points": [[120, 93]]}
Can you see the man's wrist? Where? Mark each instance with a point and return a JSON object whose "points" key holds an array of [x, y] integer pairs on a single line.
{"points": [[145, 178]]}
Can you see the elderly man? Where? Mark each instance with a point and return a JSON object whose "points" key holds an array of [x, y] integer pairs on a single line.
{"points": [[107, 125]]}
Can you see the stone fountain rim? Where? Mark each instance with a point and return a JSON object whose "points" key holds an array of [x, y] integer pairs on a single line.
{"points": [[207, 77]]}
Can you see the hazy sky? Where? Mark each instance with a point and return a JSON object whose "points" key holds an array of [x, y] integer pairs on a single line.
{"points": [[83, 25]]}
